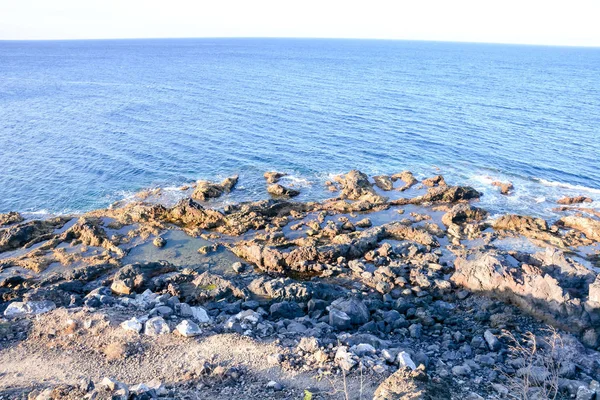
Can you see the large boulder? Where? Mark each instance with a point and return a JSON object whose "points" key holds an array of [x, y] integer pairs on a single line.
{"points": [[555, 293], [354, 308], [462, 213], [356, 186], [589, 226], [136, 277], [20, 309]]}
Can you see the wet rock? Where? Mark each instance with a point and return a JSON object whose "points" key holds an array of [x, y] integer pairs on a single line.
{"points": [[20, 309], [364, 223], [442, 194], [589, 226], [136, 277], [407, 177], [356, 186], [462, 213], [29, 233], [437, 180], [208, 190], [9, 218], [534, 228], [159, 241], [538, 290], [187, 328], [505, 187], [384, 182], [156, 326], [281, 191], [273, 177], [574, 200]]}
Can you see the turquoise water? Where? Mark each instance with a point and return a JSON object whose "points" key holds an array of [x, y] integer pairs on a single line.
{"points": [[86, 123]]}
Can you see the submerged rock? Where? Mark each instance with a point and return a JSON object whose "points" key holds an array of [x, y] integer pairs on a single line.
{"points": [[505, 187]]}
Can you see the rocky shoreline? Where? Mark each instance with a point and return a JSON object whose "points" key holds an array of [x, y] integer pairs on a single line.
{"points": [[393, 289]]}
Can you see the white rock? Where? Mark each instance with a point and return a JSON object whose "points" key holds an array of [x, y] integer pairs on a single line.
{"points": [[344, 359], [405, 361], [188, 328], [200, 315], [132, 324], [19, 309], [156, 326], [363, 349]]}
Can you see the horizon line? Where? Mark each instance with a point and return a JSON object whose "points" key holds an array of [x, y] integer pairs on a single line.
{"points": [[304, 38]]}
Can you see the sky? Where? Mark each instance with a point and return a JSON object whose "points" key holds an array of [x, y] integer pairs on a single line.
{"points": [[546, 22]]}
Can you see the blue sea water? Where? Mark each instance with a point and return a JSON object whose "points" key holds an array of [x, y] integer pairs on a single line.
{"points": [[86, 123]]}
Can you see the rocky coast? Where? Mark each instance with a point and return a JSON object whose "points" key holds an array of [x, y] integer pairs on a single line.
{"points": [[394, 288]]}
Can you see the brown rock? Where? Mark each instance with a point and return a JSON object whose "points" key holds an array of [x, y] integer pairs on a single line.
{"points": [[135, 277], [505, 188], [356, 186], [442, 194], [437, 180], [574, 200], [407, 177], [273, 176], [9, 218], [207, 190], [462, 213], [281, 191], [590, 227], [383, 182]]}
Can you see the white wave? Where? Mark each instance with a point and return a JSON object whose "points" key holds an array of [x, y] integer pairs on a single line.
{"points": [[566, 186]]}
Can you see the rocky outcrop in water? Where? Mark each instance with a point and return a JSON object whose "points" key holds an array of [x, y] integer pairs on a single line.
{"points": [[10, 218], [209, 190]]}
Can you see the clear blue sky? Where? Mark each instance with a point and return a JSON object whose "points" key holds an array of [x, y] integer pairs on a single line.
{"points": [[565, 22]]}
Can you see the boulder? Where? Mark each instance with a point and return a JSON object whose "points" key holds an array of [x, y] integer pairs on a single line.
{"points": [[356, 186], [589, 226], [437, 180], [10, 218], [407, 177], [209, 190], [187, 328], [273, 177], [505, 187], [136, 277], [574, 200], [286, 309], [156, 326], [354, 308], [278, 190], [384, 182], [462, 213], [20, 309]]}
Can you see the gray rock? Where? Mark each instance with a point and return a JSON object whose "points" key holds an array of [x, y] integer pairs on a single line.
{"points": [[133, 324], [492, 341], [188, 328], [20, 309], [583, 393], [344, 359], [276, 386], [238, 267], [339, 319], [415, 330], [159, 241], [405, 361], [354, 308], [286, 309], [309, 344], [156, 326], [363, 349]]}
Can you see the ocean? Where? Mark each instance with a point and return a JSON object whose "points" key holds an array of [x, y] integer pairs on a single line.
{"points": [[86, 123]]}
